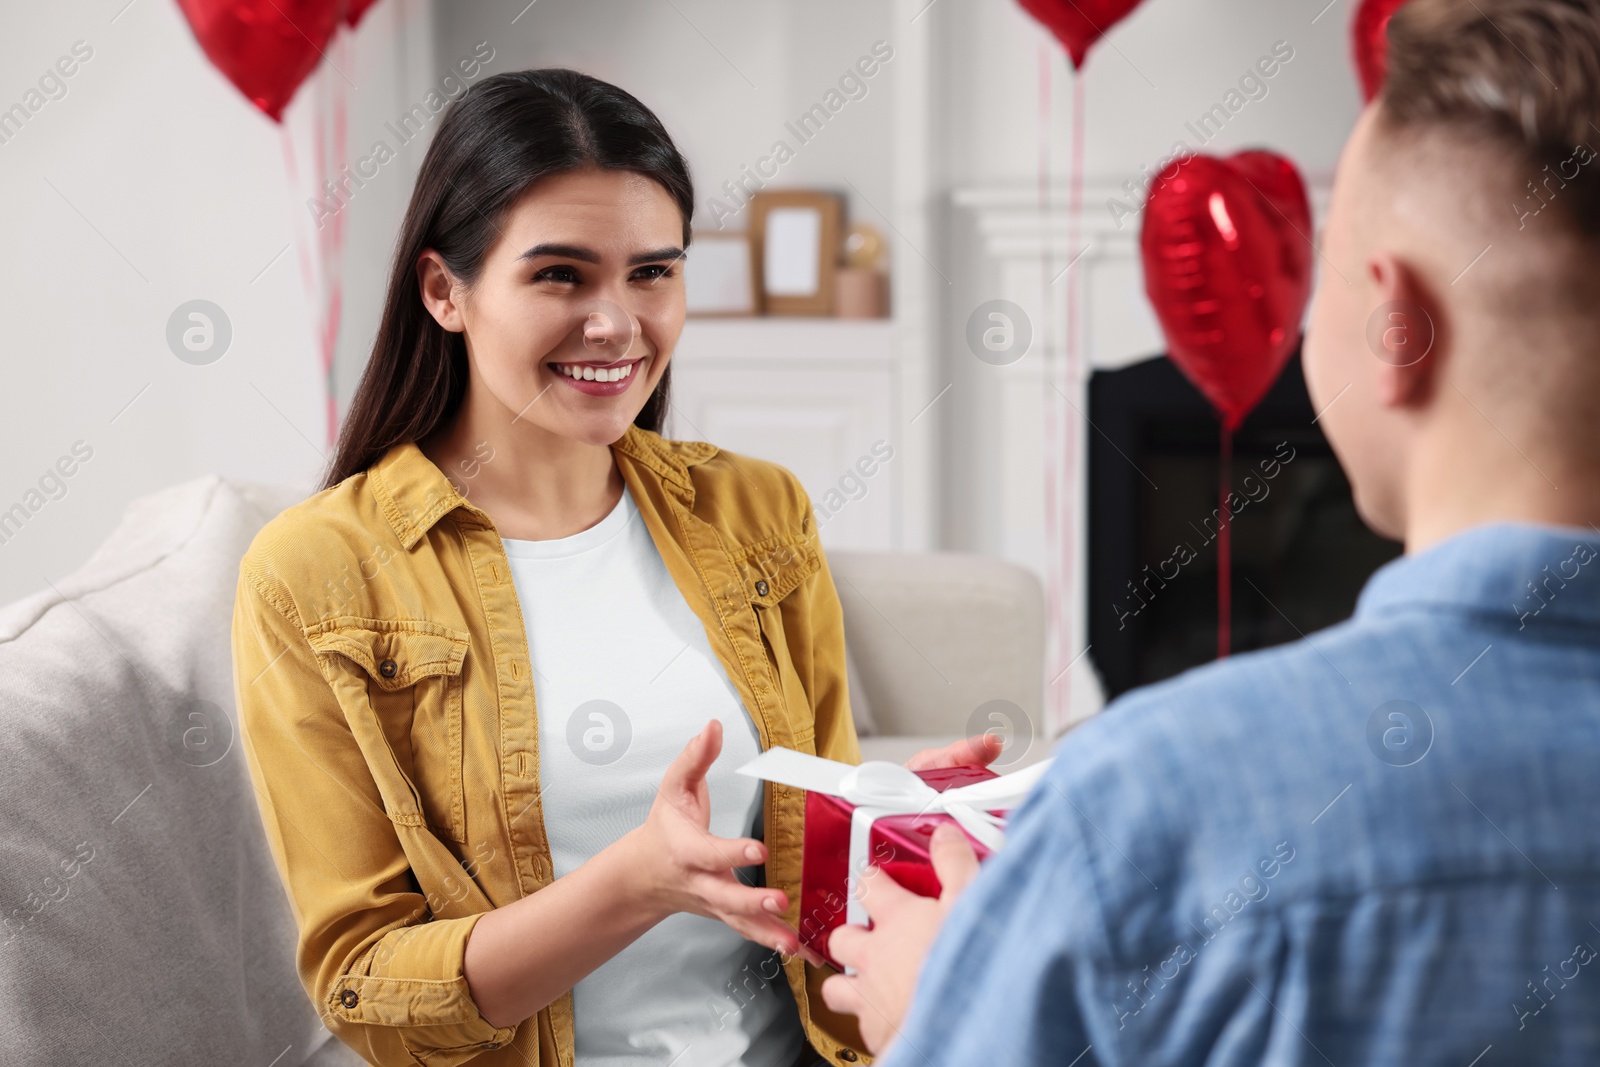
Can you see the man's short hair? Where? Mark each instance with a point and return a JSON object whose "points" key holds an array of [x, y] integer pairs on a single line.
{"points": [[1523, 76]]}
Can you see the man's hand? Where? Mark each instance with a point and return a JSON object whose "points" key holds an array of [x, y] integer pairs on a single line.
{"points": [[888, 957], [974, 751]]}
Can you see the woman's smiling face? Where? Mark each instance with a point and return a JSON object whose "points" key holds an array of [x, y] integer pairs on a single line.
{"points": [[580, 300]]}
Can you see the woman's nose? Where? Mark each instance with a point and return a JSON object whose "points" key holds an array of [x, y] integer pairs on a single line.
{"points": [[609, 330]]}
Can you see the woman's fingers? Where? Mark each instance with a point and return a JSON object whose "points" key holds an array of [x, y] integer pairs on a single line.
{"points": [[812, 956], [977, 751], [984, 749], [727, 896], [695, 849], [721, 853], [772, 933], [705, 864], [754, 913], [687, 771]]}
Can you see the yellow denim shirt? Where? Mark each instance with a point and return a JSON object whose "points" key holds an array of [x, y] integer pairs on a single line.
{"points": [[388, 715]]}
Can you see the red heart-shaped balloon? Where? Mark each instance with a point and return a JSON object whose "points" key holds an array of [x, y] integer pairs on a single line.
{"points": [[1369, 40], [1078, 24], [265, 47], [1227, 263], [354, 9]]}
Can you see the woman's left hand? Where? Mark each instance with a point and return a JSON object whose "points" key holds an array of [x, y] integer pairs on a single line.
{"points": [[974, 751]]}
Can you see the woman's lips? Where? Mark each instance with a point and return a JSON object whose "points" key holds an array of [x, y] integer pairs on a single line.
{"points": [[596, 378]]}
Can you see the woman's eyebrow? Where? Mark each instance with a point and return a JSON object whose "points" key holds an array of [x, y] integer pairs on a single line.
{"points": [[564, 251], [589, 256], [670, 252]]}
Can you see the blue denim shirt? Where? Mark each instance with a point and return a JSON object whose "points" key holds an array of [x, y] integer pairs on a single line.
{"points": [[1378, 845]]}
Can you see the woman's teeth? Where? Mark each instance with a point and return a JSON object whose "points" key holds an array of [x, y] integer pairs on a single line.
{"points": [[594, 374]]}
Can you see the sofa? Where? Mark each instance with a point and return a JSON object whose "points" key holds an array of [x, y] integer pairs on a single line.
{"points": [[141, 917]]}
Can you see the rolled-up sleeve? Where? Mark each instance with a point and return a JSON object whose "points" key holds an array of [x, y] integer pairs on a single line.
{"points": [[383, 973]]}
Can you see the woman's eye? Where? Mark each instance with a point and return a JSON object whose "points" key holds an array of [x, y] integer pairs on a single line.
{"points": [[557, 274]]}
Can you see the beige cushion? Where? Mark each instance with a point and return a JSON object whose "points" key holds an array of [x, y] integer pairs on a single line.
{"points": [[860, 699], [148, 923], [947, 645]]}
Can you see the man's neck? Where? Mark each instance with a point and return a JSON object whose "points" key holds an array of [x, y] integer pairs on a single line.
{"points": [[1479, 476]]}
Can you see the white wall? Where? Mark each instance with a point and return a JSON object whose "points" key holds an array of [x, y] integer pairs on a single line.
{"points": [[152, 182], [1164, 65], [724, 76]]}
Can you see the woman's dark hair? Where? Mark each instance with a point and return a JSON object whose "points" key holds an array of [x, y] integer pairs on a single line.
{"points": [[502, 135]]}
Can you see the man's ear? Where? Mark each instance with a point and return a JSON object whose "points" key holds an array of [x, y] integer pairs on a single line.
{"points": [[1407, 333], [439, 291]]}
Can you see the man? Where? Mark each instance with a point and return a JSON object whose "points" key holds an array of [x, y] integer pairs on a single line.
{"points": [[1377, 845]]}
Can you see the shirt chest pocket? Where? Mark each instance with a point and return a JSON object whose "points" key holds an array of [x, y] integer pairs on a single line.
{"points": [[400, 683]]}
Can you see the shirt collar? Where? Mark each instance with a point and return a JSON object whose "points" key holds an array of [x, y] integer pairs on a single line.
{"points": [[414, 493], [1518, 568]]}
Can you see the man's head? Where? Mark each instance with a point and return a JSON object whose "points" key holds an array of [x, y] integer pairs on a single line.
{"points": [[1454, 340]]}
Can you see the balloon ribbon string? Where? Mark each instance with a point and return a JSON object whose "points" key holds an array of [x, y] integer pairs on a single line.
{"points": [[1052, 415], [1071, 499], [321, 250], [1224, 550], [332, 249]]}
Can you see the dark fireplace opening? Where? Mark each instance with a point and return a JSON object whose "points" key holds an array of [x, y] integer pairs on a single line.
{"points": [[1300, 552]]}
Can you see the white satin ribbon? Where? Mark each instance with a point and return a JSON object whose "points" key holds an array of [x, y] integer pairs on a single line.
{"points": [[878, 788]]}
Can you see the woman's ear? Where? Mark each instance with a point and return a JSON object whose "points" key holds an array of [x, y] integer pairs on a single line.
{"points": [[440, 292], [1408, 336]]}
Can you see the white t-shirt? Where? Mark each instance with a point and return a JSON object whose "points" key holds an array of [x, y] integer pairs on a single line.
{"points": [[623, 677]]}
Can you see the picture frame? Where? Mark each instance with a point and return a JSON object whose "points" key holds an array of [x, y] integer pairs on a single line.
{"points": [[795, 244], [719, 276]]}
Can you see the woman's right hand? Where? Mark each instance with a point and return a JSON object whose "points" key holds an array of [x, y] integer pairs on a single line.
{"points": [[682, 867]]}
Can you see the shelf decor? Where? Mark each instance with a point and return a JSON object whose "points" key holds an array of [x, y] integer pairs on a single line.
{"points": [[719, 275], [861, 286], [795, 234]]}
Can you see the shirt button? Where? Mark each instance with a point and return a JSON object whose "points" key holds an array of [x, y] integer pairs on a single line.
{"points": [[349, 998], [388, 668], [761, 586], [848, 1055]]}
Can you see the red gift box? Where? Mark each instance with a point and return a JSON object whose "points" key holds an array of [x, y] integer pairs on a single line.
{"points": [[897, 845]]}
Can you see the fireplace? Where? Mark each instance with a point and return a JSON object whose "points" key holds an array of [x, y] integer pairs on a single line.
{"points": [[1300, 552]]}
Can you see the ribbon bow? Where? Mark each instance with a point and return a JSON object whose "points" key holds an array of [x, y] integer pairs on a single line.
{"points": [[890, 789], [878, 788]]}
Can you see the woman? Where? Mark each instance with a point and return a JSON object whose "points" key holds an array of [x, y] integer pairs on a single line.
{"points": [[486, 674]]}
